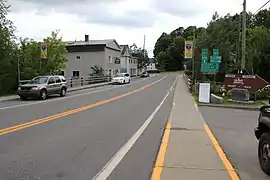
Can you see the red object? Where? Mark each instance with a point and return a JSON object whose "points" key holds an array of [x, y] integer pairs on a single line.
{"points": [[250, 82]]}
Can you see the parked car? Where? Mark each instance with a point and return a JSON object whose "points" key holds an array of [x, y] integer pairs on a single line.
{"points": [[121, 78], [145, 74], [262, 133], [43, 86]]}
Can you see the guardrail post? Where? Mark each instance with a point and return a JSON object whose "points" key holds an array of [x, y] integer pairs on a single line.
{"points": [[81, 81], [70, 82]]}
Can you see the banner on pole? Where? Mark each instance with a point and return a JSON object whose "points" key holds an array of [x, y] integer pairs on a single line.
{"points": [[43, 51], [188, 50]]}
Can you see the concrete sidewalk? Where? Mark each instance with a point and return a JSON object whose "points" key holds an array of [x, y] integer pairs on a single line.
{"points": [[190, 152]]}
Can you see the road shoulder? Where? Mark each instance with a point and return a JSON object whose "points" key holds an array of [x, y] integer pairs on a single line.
{"points": [[190, 153]]}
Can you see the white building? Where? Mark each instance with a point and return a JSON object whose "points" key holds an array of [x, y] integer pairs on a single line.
{"points": [[152, 65], [129, 64]]}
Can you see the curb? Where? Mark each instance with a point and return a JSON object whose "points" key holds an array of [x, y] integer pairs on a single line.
{"points": [[230, 107]]}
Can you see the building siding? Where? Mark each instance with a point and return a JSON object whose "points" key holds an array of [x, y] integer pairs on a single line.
{"points": [[110, 67], [87, 60]]}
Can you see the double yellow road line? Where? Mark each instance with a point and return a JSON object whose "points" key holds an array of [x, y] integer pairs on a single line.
{"points": [[70, 112]]}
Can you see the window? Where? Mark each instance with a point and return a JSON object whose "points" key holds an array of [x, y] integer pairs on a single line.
{"points": [[76, 73], [51, 80], [62, 73], [78, 58], [110, 59], [57, 79], [129, 61]]}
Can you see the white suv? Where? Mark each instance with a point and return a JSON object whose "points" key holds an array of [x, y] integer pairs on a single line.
{"points": [[121, 78]]}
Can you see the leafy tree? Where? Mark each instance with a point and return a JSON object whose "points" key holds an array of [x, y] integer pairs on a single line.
{"points": [[8, 55], [32, 65], [141, 55], [97, 71]]}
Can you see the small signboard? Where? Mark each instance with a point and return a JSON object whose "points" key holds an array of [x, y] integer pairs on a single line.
{"points": [[188, 50], [204, 92], [43, 51], [250, 82]]}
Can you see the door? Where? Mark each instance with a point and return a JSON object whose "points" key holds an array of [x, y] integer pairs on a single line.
{"points": [[58, 84], [51, 86]]}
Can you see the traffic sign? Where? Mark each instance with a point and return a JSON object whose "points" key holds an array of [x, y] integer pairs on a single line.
{"points": [[43, 51], [213, 66]]}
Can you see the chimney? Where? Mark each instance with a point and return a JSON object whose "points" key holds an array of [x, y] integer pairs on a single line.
{"points": [[86, 38]]}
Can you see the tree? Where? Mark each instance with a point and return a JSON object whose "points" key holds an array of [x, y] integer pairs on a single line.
{"points": [[8, 55], [97, 71], [141, 55], [32, 65]]}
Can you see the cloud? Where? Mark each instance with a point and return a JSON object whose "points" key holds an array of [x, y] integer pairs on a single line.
{"points": [[181, 8], [90, 11]]}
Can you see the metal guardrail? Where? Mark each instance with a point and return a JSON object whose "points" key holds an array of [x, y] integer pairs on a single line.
{"points": [[188, 82], [81, 81]]}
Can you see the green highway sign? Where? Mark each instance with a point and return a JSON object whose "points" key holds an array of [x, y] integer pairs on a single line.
{"points": [[211, 67]]}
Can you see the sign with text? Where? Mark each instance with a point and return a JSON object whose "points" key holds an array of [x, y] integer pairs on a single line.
{"points": [[188, 50], [250, 82], [211, 67], [43, 51]]}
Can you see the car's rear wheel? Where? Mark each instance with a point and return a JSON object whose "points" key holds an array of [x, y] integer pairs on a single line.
{"points": [[43, 94], [63, 92], [264, 152]]}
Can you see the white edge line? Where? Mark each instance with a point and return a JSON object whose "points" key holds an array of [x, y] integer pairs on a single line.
{"points": [[120, 154], [68, 97]]}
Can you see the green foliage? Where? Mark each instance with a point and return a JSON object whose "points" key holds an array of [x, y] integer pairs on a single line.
{"points": [[141, 55], [97, 71], [8, 52], [30, 62], [27, 53], [223, 33]]}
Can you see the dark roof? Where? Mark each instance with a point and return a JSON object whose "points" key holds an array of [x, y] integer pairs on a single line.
{"points": [[91, 42], [123, 48]]}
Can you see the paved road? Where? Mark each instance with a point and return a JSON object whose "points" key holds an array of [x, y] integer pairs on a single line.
{"points": [[76, 136], [234, 131]]}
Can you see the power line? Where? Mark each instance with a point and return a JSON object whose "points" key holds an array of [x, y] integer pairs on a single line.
{"points": [[262, 7]]}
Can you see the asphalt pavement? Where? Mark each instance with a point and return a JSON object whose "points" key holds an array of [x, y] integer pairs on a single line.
{"points": [[79, 136], [234, 130]]}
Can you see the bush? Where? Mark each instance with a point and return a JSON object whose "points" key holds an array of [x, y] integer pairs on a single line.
{"points": [[259, 96]]}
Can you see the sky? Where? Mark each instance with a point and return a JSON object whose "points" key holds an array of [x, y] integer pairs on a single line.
{"points": [[126, 21]]}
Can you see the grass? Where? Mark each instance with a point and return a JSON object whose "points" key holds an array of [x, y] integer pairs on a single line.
{"points": [[226, 102]]}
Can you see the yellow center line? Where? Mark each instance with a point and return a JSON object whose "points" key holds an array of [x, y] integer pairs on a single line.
{"points": [[73, 111], [161, 154]]}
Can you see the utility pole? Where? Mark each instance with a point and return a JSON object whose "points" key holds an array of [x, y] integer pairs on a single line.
{"points": [[238, 43], [243, 36], [19, 72], [144, 48], [193, 54]]}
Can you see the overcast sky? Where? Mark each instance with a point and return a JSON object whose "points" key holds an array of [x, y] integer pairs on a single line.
{"points": [[127, 21]]}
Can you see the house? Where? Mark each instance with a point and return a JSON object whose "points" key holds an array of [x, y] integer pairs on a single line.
{"points": [[129, 64], [152, 65], [84, 55]]}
